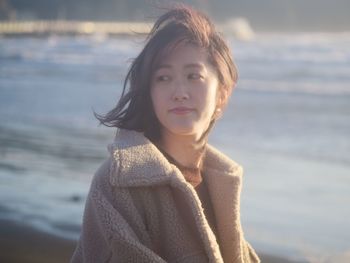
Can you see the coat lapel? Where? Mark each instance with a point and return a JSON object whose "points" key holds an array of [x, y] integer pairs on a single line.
{"points": [[223, 178]]}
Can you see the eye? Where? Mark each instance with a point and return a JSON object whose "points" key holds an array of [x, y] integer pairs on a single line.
{"points": [[161, 78], [195, 76]]}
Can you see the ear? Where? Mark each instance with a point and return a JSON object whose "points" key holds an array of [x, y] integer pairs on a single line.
{"points": [[224, 94], [221, 100]]}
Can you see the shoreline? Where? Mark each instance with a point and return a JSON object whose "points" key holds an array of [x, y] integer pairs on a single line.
{"points": [[23, 243]]}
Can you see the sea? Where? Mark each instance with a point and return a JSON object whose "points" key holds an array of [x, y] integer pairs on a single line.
{"points": [[287, 124]]}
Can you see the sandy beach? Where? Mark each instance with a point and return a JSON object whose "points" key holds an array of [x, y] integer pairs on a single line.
{"points": [[23, 244]]}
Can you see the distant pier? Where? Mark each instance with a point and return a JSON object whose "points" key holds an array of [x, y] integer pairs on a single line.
{"points": [[63, 27], [239, 28]]}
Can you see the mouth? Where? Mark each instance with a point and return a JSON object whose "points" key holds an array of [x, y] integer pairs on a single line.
{"points": [[181, 110]]}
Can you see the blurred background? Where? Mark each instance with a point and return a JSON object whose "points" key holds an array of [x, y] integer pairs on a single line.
{"points": [[288, 121], [266, 15]]}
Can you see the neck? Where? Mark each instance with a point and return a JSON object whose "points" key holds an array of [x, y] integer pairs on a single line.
{"points": [[184, 149]]}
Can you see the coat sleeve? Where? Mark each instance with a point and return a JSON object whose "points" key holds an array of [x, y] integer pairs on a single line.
{"points": [[105, 235]]}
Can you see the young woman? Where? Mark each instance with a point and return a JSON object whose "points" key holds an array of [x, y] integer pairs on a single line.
{"points": [[165, 195]]}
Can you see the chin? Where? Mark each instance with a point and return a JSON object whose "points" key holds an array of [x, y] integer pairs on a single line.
{"points": [[184, 131]]}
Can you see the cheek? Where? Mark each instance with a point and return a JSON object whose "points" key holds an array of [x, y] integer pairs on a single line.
{"points": [[157, 101], [213, 97], [208, 104]]}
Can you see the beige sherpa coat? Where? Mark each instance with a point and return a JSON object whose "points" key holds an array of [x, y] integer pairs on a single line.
{"points": [[132, 210]]}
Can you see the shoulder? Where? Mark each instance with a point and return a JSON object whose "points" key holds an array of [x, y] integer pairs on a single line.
{"points": [[100, 184]]}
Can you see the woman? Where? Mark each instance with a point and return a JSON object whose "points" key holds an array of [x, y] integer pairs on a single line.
{"points": [[165, 195]]}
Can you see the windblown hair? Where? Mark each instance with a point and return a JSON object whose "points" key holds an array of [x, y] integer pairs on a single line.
{"points": [[134, 110]]}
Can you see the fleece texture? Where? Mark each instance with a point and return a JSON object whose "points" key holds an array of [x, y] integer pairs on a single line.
{"points": [[132, 210]]}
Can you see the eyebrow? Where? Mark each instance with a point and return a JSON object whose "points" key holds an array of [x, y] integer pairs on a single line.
{"points": [[194, 65], [191, 65]]}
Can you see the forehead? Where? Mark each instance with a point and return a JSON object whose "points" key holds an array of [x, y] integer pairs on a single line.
{"points": [[183, 54]]}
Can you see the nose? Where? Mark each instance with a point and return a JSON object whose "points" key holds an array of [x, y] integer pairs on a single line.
{"points": [[180, 91]]}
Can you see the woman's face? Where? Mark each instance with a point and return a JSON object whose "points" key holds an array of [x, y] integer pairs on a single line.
{"points": [[184, 91]]}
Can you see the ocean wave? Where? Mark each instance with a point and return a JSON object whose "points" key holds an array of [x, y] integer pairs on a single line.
{"points": [[307, 87]]}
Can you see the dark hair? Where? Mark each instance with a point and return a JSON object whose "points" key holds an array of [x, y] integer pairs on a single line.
{"points": [[134, 110]]}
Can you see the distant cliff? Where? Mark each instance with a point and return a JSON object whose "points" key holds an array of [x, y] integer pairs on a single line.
{"points": [[274, 15]]}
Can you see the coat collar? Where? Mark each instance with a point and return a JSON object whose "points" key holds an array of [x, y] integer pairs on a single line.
{"points": [[138, 162]]}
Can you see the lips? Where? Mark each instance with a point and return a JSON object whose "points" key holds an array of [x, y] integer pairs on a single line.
{"points": [[181, 110]]}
